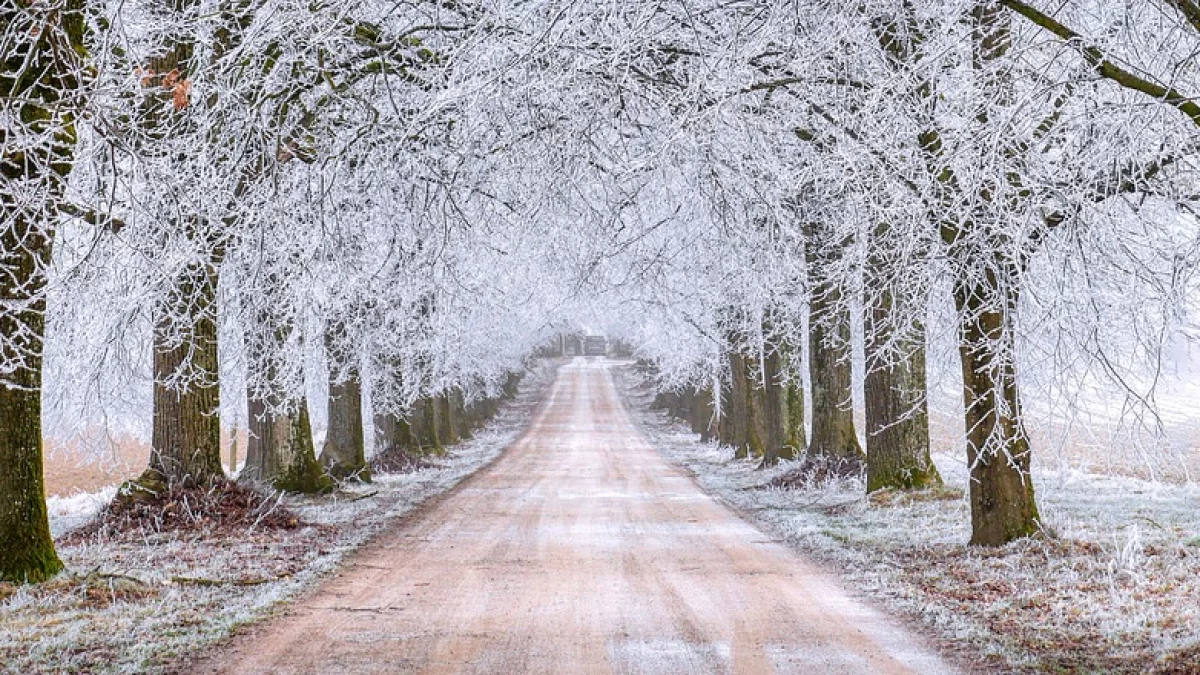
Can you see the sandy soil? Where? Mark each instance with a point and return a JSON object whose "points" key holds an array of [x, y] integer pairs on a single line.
{"points": [[580, 550]]}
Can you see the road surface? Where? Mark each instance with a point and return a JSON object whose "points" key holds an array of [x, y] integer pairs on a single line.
{"points": [[580, 550]]}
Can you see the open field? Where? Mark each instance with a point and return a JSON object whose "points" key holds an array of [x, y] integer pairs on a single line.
{"points": [[71, 469]]}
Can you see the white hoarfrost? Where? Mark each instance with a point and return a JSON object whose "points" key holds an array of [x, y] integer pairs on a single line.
{"points": [[68, 513], [149, 605]]}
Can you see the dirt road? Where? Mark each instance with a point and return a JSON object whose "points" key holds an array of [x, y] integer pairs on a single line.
{"points": [[580, 550]]}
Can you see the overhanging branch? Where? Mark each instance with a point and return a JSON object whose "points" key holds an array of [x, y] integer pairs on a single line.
{"points": [[1105, 66]]}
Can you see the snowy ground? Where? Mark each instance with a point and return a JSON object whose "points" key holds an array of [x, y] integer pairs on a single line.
{"points": [[1118, 590], [145, 605]]}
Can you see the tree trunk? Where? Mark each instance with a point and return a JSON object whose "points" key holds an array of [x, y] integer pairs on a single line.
{"points": [[986, 295], [758, 421], [27, 553], [446, 426], [897, 417], [833, 436], [897, 413], [233, 449], [793, 394], [393, 432], [281, 450], [38, 83], [186, 429], [702, 414], [1002, 500], [774, 407], [186, 432], [512, 385], [724, 424], [344, 452], [737, 407], [464, 425], [424, 422]]}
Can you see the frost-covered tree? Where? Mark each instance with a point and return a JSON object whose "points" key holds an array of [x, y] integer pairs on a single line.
{"points": [[240, 110], [42, 87], [343, 204], [960, 153]]}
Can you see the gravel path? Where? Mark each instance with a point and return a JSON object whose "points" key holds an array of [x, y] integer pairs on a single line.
{"points": [[580, 550]]}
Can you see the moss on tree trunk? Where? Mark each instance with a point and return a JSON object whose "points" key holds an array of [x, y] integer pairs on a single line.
{"points": [[833, 436], [344, 452], [281, 452], [39, 84], [301, 471], [794, 422], [26, 548], [898, 428], [897, 413], [758, 420], [424, 421], [393, 432], [464, 425], [773, 402], [446, 425]]}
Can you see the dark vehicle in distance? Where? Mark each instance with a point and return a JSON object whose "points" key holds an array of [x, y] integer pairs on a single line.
{"points": [[595, 345]]}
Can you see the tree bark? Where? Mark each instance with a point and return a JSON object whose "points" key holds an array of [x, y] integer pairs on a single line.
{"points": [[897, 418], [774, 406], [897, 412], [724, 424], [186, 431], [424, 423], [344, 452], [758, 419], [38, 83], [281, 450], [702, 414], [794, 422], [737, 406], [986, 295], [27, 554], [446, 425], [464, 425], [833, 436], [1003, 507], [393, 432]]}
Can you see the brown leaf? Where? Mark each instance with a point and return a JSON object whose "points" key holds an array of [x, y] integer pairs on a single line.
{"points": [[180, 94]]}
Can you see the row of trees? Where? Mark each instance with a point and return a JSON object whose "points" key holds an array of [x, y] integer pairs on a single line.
{"points": [[200, 194], [1019, 178], [300, 199]]}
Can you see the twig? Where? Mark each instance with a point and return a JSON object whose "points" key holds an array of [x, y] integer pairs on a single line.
{"points": [[201, 581], [106, 575], [268, 512]]}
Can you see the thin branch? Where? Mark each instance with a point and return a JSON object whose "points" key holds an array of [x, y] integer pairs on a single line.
{"points": [[1104, 66]]}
